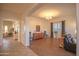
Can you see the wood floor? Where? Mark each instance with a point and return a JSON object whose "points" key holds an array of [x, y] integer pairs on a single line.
{"points": [[42, 47], [49, 47]]}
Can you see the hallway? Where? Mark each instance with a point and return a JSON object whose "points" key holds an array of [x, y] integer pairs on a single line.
{"points": [[49, 47], [13, 48]]}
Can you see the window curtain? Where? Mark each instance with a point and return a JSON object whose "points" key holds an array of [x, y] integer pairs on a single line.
{"points": [[63, 28]]}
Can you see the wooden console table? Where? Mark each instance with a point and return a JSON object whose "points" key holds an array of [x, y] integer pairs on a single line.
{"points": [[38, 35]]}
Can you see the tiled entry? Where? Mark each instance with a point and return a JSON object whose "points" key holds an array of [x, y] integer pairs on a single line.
{"points": [[12, 47]]}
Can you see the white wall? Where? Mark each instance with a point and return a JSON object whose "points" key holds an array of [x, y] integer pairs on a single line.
{"points": [[44, 25], [22, 33], [26, 31], [70, 26], [1, 31], [77, 9]]}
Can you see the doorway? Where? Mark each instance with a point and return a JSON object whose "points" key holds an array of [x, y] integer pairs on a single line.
{"points": [[9, 29]]}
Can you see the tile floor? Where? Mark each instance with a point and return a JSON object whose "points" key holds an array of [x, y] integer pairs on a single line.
{"points": [[11, 47]]}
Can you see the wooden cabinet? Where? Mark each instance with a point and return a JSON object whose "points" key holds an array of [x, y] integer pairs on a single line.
{"points": [[38, 35]]}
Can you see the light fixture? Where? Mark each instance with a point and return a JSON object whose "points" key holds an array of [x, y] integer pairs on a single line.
{"points": [[48, 17], [49, 13]]}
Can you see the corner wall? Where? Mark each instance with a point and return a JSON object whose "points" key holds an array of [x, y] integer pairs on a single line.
{"points": [[77, 9], [70, 26]]}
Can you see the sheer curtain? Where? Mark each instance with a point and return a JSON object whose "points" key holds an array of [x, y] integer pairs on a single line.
{"points": [[57, 29]]}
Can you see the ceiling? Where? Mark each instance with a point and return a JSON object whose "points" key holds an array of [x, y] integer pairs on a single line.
{"points": [[16, 7], [55, 10], [41, 10]]}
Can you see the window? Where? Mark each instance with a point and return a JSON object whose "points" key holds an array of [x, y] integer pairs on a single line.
{"points": [[57, 28]]}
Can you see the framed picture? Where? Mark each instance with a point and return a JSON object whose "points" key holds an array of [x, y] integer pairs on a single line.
{"points": [[37, 28]]}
